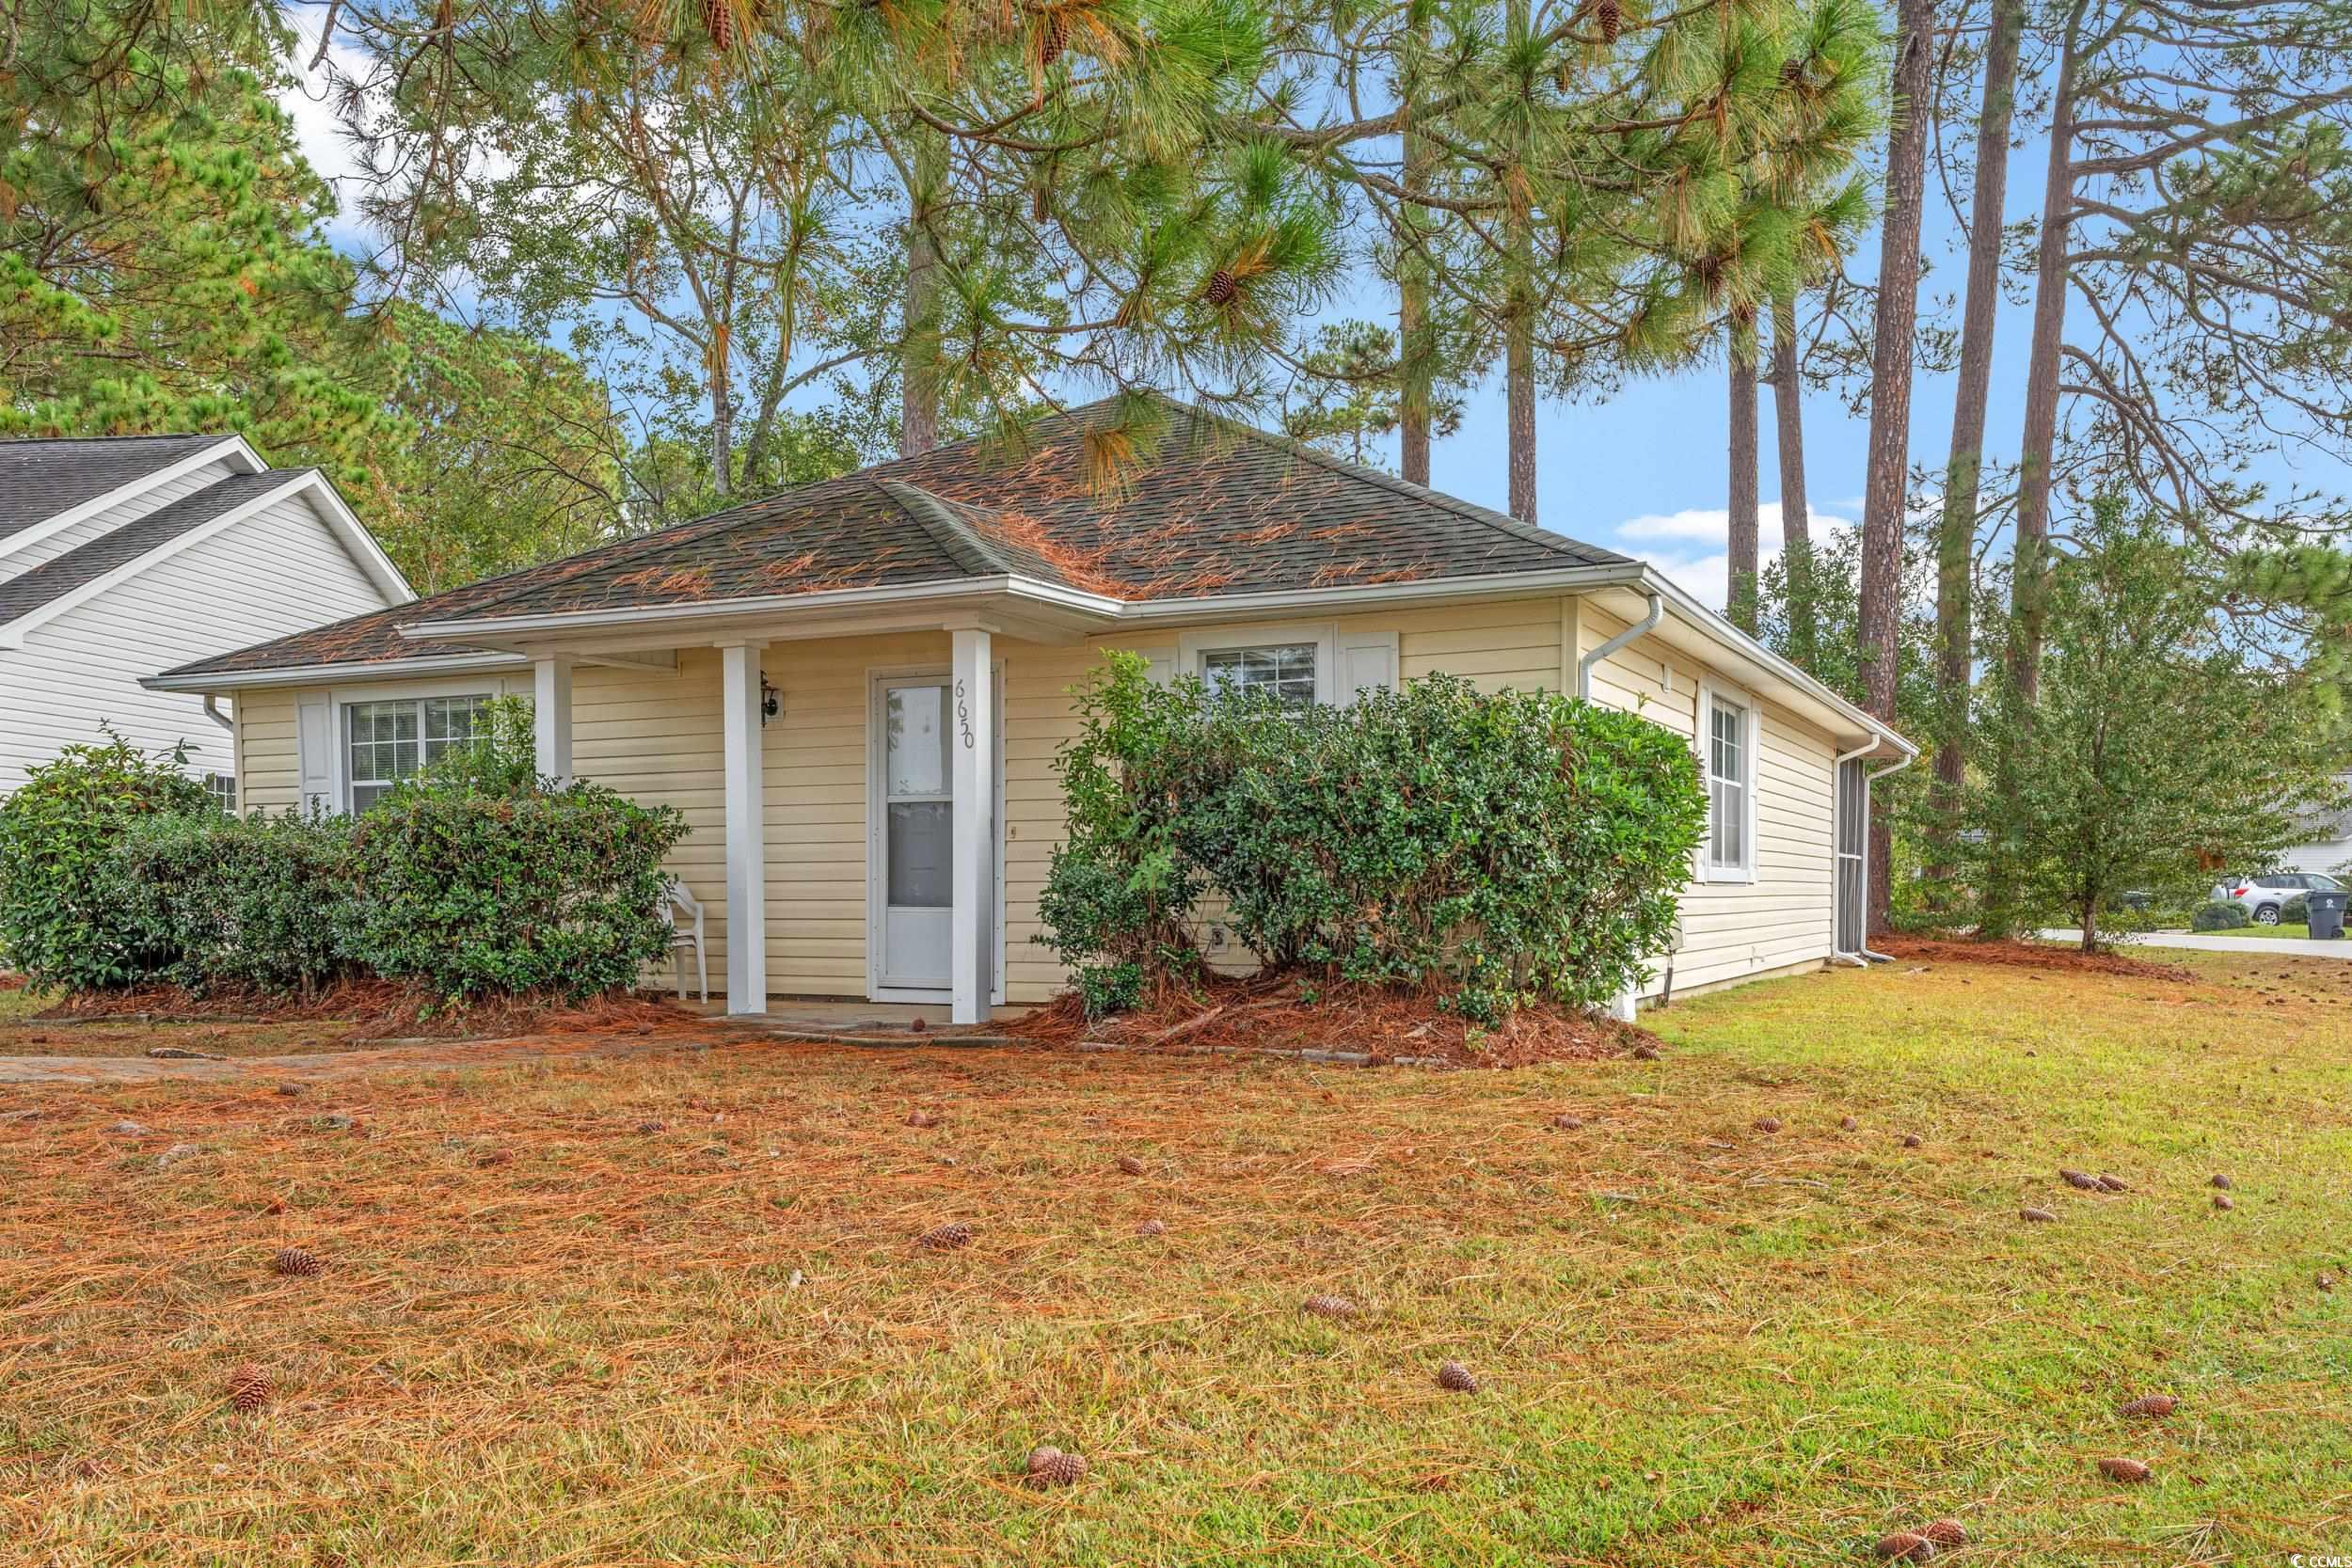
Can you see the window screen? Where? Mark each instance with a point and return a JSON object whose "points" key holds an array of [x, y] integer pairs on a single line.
{"points": [[1286, 672]]}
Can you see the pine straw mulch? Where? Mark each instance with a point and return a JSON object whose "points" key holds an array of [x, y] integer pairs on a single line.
{"points": [[2025, 954], [382, 1010], [1277, 1013]]}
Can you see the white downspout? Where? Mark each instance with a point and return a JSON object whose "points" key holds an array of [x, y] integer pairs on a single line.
{"points": [[1623, 1006], [1837, 954], [1624, 638], [1867, 780], [212, 711]]}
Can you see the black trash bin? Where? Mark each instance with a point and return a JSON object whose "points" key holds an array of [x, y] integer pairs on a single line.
{"points": [[2327, 913]]}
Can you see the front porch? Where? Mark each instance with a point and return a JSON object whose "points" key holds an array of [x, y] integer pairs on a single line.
{"points": [[845, 792]]}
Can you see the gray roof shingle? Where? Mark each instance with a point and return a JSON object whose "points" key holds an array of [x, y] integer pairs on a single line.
{"points": [[85, 563], [41, 478], [1202, 506]]}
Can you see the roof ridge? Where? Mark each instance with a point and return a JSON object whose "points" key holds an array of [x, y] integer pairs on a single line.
{"points": [[957, 539], [93, 440], [1469, 511], [67, 565]]}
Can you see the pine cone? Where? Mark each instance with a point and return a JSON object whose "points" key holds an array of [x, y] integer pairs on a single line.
{"points": [[2112, 1183], [2080, 1181], [1053, 38], [296, 1264], [1151, 1228], [1130, 1165], [1847, 1124], [1645, 1051], [1612, 16], [946, 1237], [921, 1118], [2221, 1200], [2125, 1470], [2148, 1404], [248, 1387], [496, 1157], [2222, 1181], [718, 22], [1945, 1532], [1567, 1123], [1456, 1378], [1050, 1467], [650, 1126], [1221, 289], [1327, 1306], [1912, 1140], [1905, 1546], [1792, 73], [2039, 1216], [1768, 1124]]}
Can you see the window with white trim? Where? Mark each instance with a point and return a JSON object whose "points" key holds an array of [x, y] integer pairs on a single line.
{"points": [[389, 742], [222, 788], [1728, 757], [1283, 671]]}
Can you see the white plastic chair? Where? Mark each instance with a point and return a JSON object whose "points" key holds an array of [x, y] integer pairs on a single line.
{"points": [[685, 934]]}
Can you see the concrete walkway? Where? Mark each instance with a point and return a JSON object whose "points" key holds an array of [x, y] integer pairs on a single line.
{"points": [[2253, 947]]}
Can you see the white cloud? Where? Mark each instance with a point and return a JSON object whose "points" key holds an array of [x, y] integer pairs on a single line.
{"points": [[1689, 547]]}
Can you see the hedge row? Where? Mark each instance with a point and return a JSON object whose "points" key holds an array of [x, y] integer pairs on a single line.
{"points": [[478, 879], [1491, 848]]}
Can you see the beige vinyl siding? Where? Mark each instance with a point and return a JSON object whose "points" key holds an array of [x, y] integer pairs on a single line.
{"points": [[1785, 917], [656, 735]]}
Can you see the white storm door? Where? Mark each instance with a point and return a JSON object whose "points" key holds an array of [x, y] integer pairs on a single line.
{"points": [[914, 859]]}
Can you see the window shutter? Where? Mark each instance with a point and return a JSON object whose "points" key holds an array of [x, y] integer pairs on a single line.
{"points": [[314, 745], [1367, 662]]}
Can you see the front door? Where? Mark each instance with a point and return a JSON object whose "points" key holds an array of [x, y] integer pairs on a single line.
{"points": [[910, 873], [913, 818]]}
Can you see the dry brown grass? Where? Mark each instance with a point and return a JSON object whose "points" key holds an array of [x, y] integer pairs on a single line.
{"points": [[547, 1334]]}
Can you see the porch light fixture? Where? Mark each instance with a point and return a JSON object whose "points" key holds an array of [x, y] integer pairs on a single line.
{"points": [[771, 701]]}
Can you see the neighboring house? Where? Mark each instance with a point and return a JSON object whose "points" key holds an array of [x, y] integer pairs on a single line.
{"points": [[855, 689], [2329, 842], [123, 554]]}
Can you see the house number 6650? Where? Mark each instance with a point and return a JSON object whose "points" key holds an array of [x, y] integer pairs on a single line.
{"points": [[964, 715]]}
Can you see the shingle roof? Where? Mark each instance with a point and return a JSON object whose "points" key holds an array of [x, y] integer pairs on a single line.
{"points": [[85, 563], [1207, 506], [41, 478]]}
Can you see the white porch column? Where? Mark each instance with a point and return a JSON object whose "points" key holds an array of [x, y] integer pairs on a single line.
{"points": [[747, 831], [551, 716], [972, 744]]}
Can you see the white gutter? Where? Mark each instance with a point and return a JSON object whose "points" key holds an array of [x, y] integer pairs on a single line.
{"points": [[1631, 634], [312, 674]]}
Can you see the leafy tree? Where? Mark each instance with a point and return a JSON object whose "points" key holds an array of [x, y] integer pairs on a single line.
{"points": [[2153, 746], [515, 457], [1354, 393]]}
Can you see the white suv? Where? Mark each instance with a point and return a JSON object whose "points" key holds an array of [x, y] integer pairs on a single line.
{"points": [[2265, 896]]}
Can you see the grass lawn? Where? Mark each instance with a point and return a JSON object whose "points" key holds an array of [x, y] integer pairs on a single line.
{"points": [[552, 1332], [23, 1034], [2283, 928]]}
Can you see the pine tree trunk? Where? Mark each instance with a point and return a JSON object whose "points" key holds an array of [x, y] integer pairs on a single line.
{"points": [[1886, 481], [1740, 589], [721, 426], [1956, 532], [1521, 376], [1415, 341], [1796, 518], [2034, 452], [918, 391]]}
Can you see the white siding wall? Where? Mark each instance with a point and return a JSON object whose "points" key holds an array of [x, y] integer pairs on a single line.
{"points": [[280, 571], [15, 562]]}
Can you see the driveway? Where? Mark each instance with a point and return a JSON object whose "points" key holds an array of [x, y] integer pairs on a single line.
{"points": [[2257, 947]]}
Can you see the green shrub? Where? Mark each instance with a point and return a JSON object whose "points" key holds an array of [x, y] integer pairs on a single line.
{"points": [[1493, 849], [524, 892], [255, 900], [63, 921], [2296, 911], [2219, 914]]}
